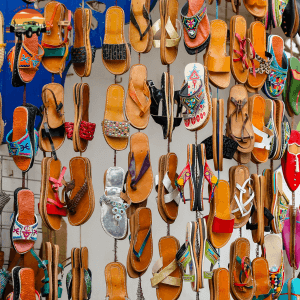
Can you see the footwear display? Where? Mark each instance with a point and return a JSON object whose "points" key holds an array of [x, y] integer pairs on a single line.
{"points": [[192, 225]]}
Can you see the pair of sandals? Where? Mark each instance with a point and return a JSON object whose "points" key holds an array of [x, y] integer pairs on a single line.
{"points": [[166, 99], [22, 140]]}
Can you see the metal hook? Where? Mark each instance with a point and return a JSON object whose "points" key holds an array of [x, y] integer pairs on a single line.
{"points": [[118, 79]]}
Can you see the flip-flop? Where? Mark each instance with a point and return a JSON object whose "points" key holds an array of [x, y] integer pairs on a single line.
{"points": [[220, 221], [24, 226], [138, 97], [242, 285], [50, 206], [219, 285], [274, 85], [215, 58], [85, 289], [142, 246], [196, 26], [238, 52], [55, 40], [115, 51], [217, 136], [115, 127], [242, 194], [140, 177], [261, 276], [239, 126], [258, 59], [113, 205], [116, 281], [274, 255], [257, 8], [52, 131], [140, 31], [195, 97], [82, 51], [167, 275], [81, 200], [262, 135]]}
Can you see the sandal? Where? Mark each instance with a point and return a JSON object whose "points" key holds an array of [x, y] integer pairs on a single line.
{"points": [[138, 97], [140, 177], [268, 200], [238, 52], [242, 285], [51, 208], [114, 204], [220, 222], [57, 283], [274, 85], [195, 97], [263, 136], [82, 52], [56, 39], [115, 128], [168, 197], [79, 192], [239, 126], [269, 120], [116, 276], [140, 31], [52, 131], [241, 191], [115, 50], [290, 18], [167, 275], [215, 58], [257, 8], [73, 276], [85, 289], [22, 140], [196, 26], [24, 226], [219, 284]]}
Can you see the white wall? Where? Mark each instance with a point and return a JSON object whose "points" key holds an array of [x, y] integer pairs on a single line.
{"points": [[101, 245]]}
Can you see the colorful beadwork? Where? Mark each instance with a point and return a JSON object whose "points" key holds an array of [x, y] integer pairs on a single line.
{"points": [[116, 129], [276, 279], [182, 179], [24, 232]]}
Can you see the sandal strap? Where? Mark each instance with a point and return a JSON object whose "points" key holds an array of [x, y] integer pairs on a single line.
{"points": [[245, 263], [191, 23], [88, 283], [78, 55], [183, 177], [173, 194], [58, 106], [143, 170], [134, 22], [48, 135], [73, 203], [69, 127], [133, 95], [211, 253], [242, 54], [114, 51], [22, 232], [267, 137], [184, 259], [162, 276], [116, 128], [87, 130], [29, 60], [239, 201], [264, 65], [140, 252]]}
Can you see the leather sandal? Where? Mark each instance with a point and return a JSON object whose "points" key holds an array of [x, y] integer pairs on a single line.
{"points": [[167, 275], [140, 177], [220, 221], [57, 268], [51, 208], [116, 128], [241, 193], [195, 97], [25, 222], [140, 26], [238, 49], [82, 52], [257, 8], [56, 39], [85, 288], [239, 126], [52, 131], [259, 58], [79, 192], [196, 26], [242, 285], [116, 281], [263, 136], [219, 285], [115, 51], [138, 99], [215, 58]]}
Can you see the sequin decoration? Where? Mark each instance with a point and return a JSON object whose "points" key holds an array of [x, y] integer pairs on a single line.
{"points": [[116, 129]]}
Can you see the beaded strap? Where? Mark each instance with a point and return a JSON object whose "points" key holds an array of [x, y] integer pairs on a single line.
{"points": [[139, 254], [87, 130], [116, 129], [114, 51], [264, 65], [24, 232], [69, 127], [78, 55]]}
